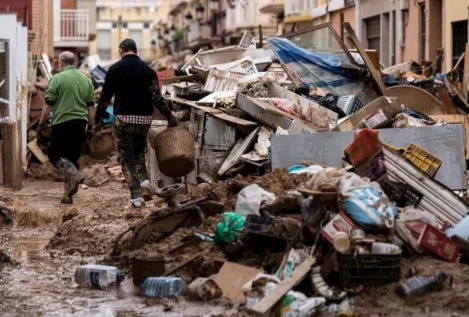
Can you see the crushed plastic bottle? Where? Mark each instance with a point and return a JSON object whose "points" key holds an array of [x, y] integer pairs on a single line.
{"points": [[101, 276], [162, 287], [420, 285], [345, 309]]}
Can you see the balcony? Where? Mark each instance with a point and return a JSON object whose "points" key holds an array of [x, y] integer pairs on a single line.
{"points": [[298, 7], [71, 28], [199, 35], [271, 6]]}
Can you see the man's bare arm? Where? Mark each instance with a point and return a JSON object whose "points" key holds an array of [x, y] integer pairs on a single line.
{"points": [[45, 113], [91, 115]]}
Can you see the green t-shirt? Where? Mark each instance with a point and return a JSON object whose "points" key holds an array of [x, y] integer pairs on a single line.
{"points": [[71, 91]]}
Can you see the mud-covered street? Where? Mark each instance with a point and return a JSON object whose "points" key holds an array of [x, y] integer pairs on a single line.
{"points": [[51, 240], [40, 281]]}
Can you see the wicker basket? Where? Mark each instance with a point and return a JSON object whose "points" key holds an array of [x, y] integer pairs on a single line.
{"points": [[175, 152]]}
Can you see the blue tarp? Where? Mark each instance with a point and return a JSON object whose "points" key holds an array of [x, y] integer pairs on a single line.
{"points": [[329, 70]]}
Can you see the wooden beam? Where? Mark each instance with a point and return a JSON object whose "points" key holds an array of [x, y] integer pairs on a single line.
{"points": [[238, 150], [459, 61], [465, 74], [374, 73], [34, 148], [11, 160], [265, 304]]}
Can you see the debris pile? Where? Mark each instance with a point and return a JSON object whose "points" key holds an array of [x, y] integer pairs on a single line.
{"points": [[313, 182]]}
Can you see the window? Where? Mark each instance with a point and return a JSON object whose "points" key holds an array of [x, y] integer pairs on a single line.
{"points": [[423, 33], [459, 39], [373, 33], [146, 25], [136, 35], [103, 43], [125, 25]]}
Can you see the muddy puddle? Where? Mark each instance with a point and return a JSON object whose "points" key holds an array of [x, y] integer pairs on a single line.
{"points": [[41, 284]]}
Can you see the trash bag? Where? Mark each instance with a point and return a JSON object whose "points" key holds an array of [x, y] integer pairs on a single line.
{"points": [[326, 180], [250, 199], [412, 214], [229, 228], [365, 203]]}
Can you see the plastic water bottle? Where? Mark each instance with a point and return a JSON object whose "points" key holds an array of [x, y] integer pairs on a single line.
{"points": [[420, 285], [162, 287], [101, 276]]}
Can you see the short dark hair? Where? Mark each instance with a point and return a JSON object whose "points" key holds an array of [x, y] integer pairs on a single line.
{"points": [[128, 45]]}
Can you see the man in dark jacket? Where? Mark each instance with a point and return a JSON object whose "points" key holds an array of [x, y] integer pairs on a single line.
{"points": [[134, 86]]}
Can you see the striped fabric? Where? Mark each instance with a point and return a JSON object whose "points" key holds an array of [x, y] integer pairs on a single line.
{"points": [[135, 119]]}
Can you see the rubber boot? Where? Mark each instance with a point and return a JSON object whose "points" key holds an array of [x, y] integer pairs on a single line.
{"points": [[148, 190], [65, 199], [72, 176]]}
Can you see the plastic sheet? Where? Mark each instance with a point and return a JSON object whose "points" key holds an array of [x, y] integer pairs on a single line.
{"points": [[328, 70]]}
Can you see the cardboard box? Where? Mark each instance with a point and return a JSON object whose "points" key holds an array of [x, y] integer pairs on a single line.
{"points": [[438, 243], [340, 223], [389, 106], [232, 278]]}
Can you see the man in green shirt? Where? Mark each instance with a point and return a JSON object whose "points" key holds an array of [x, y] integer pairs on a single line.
{"points": [[70, 97]]}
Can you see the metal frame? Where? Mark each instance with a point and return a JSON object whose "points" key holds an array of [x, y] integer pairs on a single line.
{"points": [[334, 33]]}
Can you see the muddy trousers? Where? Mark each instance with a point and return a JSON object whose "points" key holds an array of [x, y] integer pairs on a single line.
{"points": [[132, 148], [66, 141]]}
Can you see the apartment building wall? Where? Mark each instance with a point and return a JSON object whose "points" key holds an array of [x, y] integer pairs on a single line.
{"points": [[337, 18], [455, 15], [42, 26], [22, 8], [114, 24], [89, 6], [381, 28], [423, 31]]}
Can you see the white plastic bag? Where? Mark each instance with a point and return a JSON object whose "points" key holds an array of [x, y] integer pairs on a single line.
{"points": [[250, 199], [412, 214]]}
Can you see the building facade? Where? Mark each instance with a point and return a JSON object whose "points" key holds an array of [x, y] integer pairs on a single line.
{"points": [[117, 20], [73, 26]]}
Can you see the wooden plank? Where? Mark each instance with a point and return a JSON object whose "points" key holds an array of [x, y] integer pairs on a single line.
{"points": [[193, 104], [298, 274], [33, 147], [465, 73], [374, 73], [214, 111], [459, 61], [11, 159], [239, 149], [257, 111], [235, 120]]}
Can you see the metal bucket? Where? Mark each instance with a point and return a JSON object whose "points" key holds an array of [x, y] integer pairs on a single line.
{"points": [[144, 267], [175, 152]]}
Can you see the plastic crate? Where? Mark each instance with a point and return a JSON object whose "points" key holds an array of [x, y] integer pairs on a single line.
{"points": [[426, 162], [369, 270], [401, 194]]}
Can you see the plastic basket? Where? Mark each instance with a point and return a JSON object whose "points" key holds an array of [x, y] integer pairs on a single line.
{"points": [[369, 270], [426, 162], [401, 194]]}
